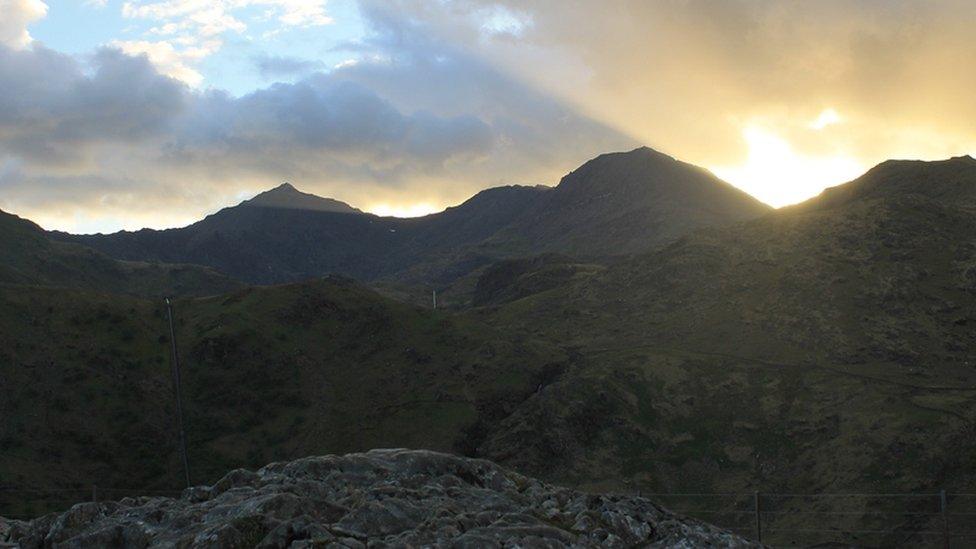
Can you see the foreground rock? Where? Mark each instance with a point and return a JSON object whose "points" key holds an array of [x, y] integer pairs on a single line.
{"points": [[382, 498]]}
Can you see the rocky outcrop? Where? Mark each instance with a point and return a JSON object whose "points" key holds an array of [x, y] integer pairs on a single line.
{"points": [[382, 498]]}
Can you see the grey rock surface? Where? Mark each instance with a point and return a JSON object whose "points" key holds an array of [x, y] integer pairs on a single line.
{"points": [[381, 498]]}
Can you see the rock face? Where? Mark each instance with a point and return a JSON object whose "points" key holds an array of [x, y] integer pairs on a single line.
{"points": [[382, 498]]}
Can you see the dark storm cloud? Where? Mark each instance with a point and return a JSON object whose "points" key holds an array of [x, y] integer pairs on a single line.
{"points": [[53, 108], [326, 122]]}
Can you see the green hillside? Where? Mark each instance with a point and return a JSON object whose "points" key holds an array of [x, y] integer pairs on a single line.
{"points": [[269, 374], [823, 348]]}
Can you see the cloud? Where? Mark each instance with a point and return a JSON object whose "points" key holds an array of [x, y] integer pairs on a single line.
{"points": [[55, 109], [275, 66], [186, 31], [120, 138], [16, 15], [321, 124], [164, 56], [692, 77]]}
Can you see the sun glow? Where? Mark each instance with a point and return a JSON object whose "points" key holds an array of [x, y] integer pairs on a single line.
{"points": [[403, 210], [778, 175]]}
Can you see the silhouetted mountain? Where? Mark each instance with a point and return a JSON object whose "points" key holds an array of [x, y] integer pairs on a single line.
{"points": [[615, 204], [288, 197], [632, 202], [29, 257], [269, 244]]}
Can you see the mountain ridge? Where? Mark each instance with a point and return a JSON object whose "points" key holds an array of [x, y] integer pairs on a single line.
{"points": [[618, 203], [28, 256], [952, 180]]}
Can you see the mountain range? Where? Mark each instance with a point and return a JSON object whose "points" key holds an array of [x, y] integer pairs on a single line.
{"points": [[619, 203], [642, 325]]}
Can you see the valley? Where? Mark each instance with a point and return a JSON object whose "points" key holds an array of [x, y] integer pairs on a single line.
{"points": [[819, 348]]}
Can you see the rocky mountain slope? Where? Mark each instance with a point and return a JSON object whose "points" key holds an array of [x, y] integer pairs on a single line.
{"points": [[29, 257], [383, 498], [823, 348], [615, 204]]}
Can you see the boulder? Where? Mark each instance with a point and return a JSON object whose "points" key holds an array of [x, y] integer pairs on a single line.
{"points": [[381, 498]]}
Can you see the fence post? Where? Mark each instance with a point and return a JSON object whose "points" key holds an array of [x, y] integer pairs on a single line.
{"points": [[758, 517], [94, 493], [945, 519]]}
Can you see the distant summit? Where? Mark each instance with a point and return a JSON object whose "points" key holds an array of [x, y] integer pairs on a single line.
{"points": [[288, 197], [631, 202]]}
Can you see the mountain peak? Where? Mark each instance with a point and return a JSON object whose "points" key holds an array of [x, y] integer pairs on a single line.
{"points": [[629, 202], [647, 151], [286, 196]]}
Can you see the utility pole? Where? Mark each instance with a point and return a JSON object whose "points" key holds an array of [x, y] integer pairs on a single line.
{"points": [[434, 294], [758, 517], [176, 391]]}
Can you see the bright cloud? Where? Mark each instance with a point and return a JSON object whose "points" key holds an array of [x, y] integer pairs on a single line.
{"points": [[167, 59], [212, 17], [827, 117], [190, 30], [15, 15]]}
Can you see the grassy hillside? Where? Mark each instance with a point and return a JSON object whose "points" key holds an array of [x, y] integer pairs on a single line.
{"points": [[824, 348], [268, 374], [28, 256]]}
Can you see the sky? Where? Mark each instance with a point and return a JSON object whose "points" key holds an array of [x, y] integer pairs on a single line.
{"points": [[123, 114]]}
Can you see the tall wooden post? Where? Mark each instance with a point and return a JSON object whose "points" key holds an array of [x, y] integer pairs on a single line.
{"points": [[758, 517], [176, 391]]}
